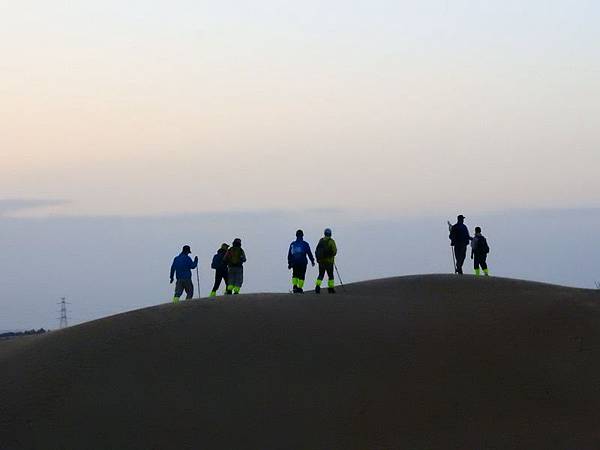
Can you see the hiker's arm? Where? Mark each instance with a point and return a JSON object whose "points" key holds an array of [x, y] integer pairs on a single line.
{"points": [[194, 263], [243, 256], [172, 271], [310, 255]]}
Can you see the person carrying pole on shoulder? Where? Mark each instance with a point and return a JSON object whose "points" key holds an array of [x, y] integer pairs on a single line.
{"points": [[479, 252], [459, 239], [325, 253], [235, 258], [182, 269], [221, 272], [298, 253]]}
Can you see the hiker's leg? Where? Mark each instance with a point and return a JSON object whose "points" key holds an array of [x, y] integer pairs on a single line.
{"points": [[239, 279], [330, 278], [230, 280], [461, 252], [322, 270], [178, 291], [215, 288], [301, 272], [295, 277], [484, 266], [189, 289]]}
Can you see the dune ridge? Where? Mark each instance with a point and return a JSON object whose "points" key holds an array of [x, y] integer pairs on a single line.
{"points": [[434, 361]]}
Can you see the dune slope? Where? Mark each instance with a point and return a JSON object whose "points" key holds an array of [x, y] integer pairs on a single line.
{"points": [[414, 362]]}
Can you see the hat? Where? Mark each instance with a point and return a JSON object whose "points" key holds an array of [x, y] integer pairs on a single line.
{"points": [[299, 233], [460, 216], [327, 232], [186, 249], [224, 246]]}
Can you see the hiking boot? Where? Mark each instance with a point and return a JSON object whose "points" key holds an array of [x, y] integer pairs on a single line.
{"points": [[228, 292], [300, 291], [331, 290], [317, 289], [295, 289]]}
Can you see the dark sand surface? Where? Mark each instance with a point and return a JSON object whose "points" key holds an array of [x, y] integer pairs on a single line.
{"points": [[421, 362]]}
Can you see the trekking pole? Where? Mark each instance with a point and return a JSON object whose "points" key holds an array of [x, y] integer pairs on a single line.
{"points": [[198, 281], [452, 249], [339, 277]]}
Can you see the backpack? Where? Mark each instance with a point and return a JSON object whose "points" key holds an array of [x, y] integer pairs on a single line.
{"points": [[323, 250], [298, 251], [482, 245], [235, 256], [217, 261]]}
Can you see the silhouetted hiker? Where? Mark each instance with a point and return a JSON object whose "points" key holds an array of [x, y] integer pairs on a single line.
{"points": [[182, 267], [459, 239], [235, 258], [325, 253], [298, 253], [479, 252], [221, 271]]}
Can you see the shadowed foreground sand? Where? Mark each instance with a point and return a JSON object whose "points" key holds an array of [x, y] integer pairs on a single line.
{"points": [[417, 362]]}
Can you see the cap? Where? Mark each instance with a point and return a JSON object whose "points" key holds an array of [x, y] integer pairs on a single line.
{"points": [[460, 216]]}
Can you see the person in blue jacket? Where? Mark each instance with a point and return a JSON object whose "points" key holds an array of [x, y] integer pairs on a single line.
{"points": [[459, 239], [298, 253], [182, 268]]}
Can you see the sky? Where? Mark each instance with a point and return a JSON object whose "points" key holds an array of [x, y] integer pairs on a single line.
{"points": [[178, 107], [132, 128]]}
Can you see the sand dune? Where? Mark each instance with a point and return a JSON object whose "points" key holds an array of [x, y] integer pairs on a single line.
{"points": [[417, 362]]}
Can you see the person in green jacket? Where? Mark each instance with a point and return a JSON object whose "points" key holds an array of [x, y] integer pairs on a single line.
{"points": [[235, 258], [325, 253]]}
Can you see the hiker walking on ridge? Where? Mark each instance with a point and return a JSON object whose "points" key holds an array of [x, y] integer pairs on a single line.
{"points": [[221, 271], [298, 253], [459, 239], [325, 253], [479, 252], [182, 268], [235, 258]]}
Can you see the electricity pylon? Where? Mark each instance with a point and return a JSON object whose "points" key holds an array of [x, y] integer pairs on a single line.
{"points": [[63, 312]]}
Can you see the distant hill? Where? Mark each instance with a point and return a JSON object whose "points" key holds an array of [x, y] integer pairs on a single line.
{"points": [[420, 362]]}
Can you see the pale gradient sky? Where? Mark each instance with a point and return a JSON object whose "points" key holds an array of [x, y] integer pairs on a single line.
{"points": [[146, 107]]}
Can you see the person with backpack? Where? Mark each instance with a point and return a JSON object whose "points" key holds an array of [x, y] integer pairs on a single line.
{"points": [[221, 272], [298, 253], [325, 253], [234, 258], [182, 268], [459, 239], [479, 252]]}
